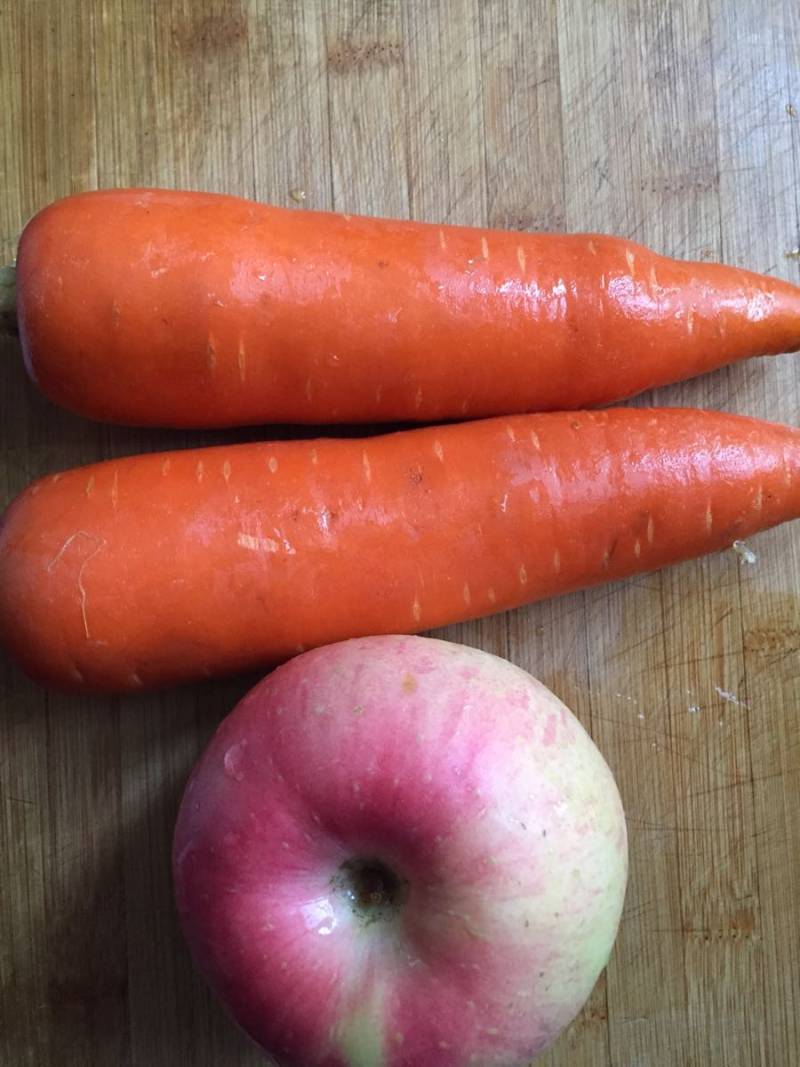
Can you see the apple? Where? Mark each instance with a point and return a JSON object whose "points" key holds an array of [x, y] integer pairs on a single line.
{"points": [[400, 852]]}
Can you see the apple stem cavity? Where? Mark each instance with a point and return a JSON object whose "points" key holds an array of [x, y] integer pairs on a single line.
{"points": [[373, 890]]}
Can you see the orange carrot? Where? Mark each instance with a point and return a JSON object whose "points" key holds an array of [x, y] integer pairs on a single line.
{"points": [[190, 309], [168, 567]]}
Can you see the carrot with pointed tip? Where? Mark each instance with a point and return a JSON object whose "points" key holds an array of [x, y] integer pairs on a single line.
{"points": [[168, 567], [190, 309]]}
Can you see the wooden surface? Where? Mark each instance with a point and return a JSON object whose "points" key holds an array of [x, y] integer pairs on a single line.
{"points": [[677, 124]]}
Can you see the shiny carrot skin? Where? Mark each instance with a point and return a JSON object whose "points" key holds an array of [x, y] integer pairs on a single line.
{"points": [[168, 567], [192, 309]]}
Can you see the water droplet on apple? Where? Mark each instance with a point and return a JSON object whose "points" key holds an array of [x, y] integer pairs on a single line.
{"points": [[319, 916], [233, 761]]}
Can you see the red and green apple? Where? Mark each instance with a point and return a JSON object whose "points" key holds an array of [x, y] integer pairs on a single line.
{"points": [[401, 852]]}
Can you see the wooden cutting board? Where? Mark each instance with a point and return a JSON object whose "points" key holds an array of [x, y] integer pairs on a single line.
{"points": [[677, 124]]}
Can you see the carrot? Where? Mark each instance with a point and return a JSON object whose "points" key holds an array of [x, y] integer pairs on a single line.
{"points": [[167, 567], [190, 309]]}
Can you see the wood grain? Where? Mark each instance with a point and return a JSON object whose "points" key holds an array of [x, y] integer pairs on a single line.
{"points": [[677, 124]]}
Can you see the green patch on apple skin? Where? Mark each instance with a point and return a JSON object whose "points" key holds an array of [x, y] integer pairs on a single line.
{"points": [[360, 1037]]}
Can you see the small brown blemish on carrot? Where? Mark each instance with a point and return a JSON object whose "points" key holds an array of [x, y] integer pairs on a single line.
{"points": [[523, 575], [416, 609], [89, 486], [272, 464], [211, 354], [442, 240], [199, 470], [241, 359], [226, 471], [466, 594], [438, 451], [484, 248], [165, 466], [521, 257], [115, 489], [651, 530], [367, 468]]}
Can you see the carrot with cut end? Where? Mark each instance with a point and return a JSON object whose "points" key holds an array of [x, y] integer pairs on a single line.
{"points": [[168, 567], [191, 309]]}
